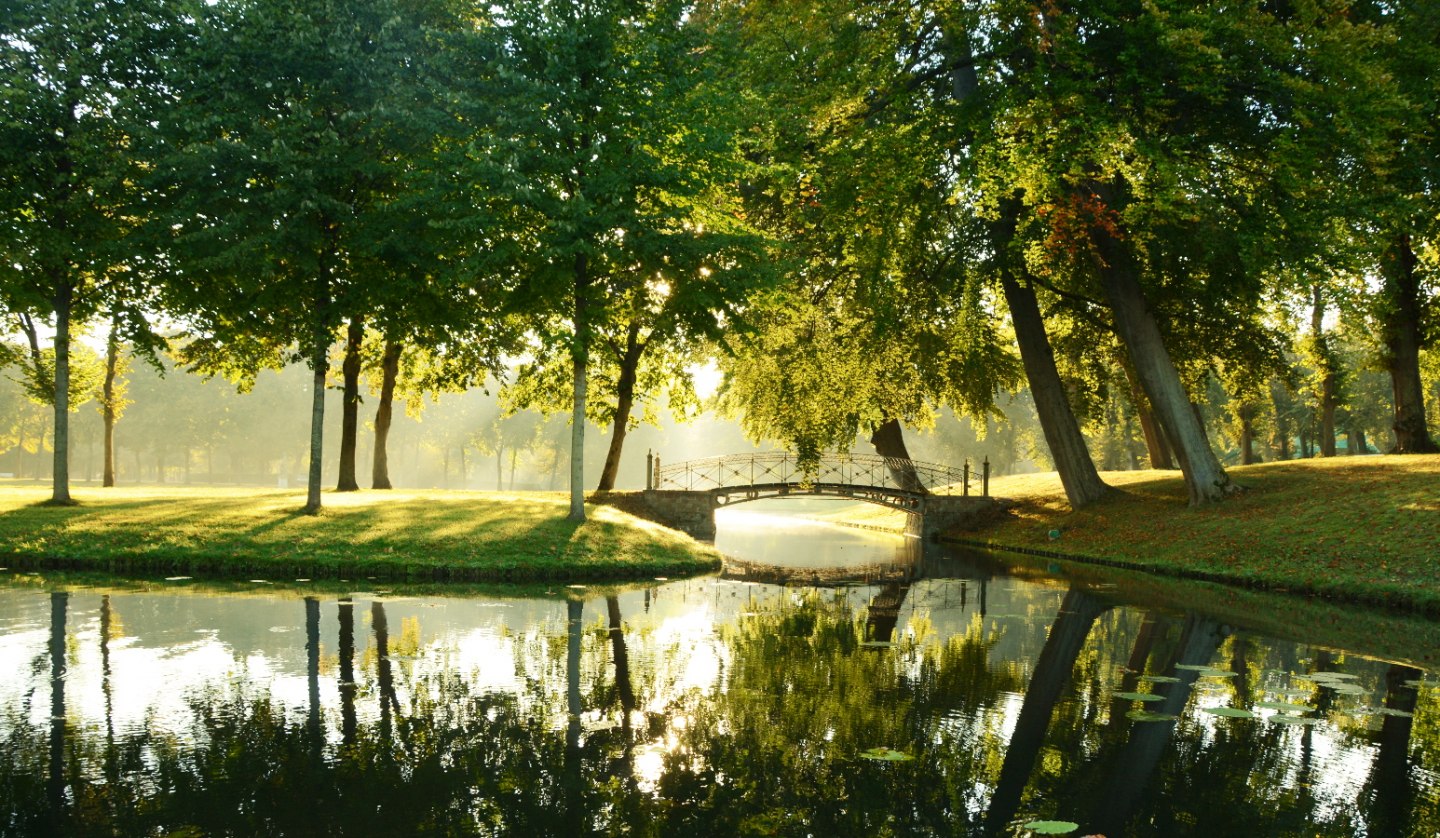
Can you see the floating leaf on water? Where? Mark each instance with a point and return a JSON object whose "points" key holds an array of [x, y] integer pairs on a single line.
{"points": [[1391, 711], [1193, 667], [877, 644], [1285, 719], [1415, 683], [1330, 676], [1211, 672], [260, 581], [1284, 707], [1140, 696], [1160, 679], [302, 580], [885, 754], [1147, 716], [177, 578], [1228, 712], [1345, 689], [1052, 827]]}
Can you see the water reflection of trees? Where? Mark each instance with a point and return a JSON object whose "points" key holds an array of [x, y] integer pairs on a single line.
{"points": [[773, 746]]}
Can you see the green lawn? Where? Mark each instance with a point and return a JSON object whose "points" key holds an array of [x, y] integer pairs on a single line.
{"points": [[393, 535], [1357, 528]]}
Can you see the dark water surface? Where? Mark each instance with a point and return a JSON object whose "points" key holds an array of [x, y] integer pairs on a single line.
{"points": [[952, 695]]}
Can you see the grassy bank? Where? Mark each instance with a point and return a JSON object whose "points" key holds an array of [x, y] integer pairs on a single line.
{"points": [[471, 536], [1363, 529]]}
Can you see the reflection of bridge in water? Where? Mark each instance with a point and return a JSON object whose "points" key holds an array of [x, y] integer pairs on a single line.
{"points": [[935, 497]]}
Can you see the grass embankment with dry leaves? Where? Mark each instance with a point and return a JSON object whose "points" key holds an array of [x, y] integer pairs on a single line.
{"points": [[1363, 529], [472, 536]]}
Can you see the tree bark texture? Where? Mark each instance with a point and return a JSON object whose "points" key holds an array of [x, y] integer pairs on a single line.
{"points": [[1082, 482], [1205, 479], [580, 363], [1247, 434], [107, 407], [889, 441], [350, 404], [319, 362], [1401, 328], [389, 370], [624, 403]]}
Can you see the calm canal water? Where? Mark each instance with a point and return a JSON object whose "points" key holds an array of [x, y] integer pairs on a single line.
{"points": [[947, 695]]}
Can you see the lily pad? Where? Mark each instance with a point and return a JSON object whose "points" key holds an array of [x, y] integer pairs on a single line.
{"points": [[1229, 712], [878, 644], [885, 754], [1338, 676], [1345, 689], [1217, 673], [1193, 667], [1052, 827], [1147, 716], [177, 578], [1160, 679], [1140, 696], [1391, 711], [1415, 683], [1285, 719], [1284, 707]]}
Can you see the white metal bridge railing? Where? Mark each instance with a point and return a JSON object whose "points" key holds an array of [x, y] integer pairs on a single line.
{"points": [[860, 470]]}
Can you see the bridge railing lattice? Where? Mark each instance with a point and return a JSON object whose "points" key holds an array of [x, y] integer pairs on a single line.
{"points": [[859, 470]]}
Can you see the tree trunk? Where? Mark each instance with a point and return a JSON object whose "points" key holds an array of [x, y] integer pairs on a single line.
{"points": [[580, 368], [1204, 476], [889, 441], [1391, 784], [464, 469], [389, 370], [1357, 444], [60, 492], [621, 656], [350, 405], [1073, 463], [1327, 397], [1246, 413], [514, 455], [55, 782], [624, 401], [319, 362], [347, 685], [499, 468], [1401, 329], [107, 408]]}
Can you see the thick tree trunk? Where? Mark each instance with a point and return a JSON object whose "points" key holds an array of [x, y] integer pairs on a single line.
{"points": [[1391, 783], [1247, 434], [1357, 444], [348, 688], [621, 656], [319, 363], [1204, 476], [107, 407], [350, 405], [889, 441], [1281, 437], [1082, 482], [1401, 328], [624, 402], [60, 491], [389, 370]]}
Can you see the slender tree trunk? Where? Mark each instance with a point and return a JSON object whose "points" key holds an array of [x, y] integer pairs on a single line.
{"points": [[1246, 412], [389, 370], [621, 656], [312, 670], [319, 363], [1327, 397], [1401, 329], [60, 492], [350, 405], [1357, 444], [580, 368], [499, 468], [624, 402], [1204, 477], [1073, 463], [889, 441], [514, 455], [108, 407]]}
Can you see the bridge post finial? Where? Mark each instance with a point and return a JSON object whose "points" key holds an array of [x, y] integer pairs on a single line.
{"points": [[649, 469]]}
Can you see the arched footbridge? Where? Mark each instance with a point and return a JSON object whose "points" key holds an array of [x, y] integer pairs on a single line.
{"points": [[685, 495]]}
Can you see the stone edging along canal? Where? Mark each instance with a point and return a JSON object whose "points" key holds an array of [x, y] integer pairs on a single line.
{"points": [[1397, 602]]}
